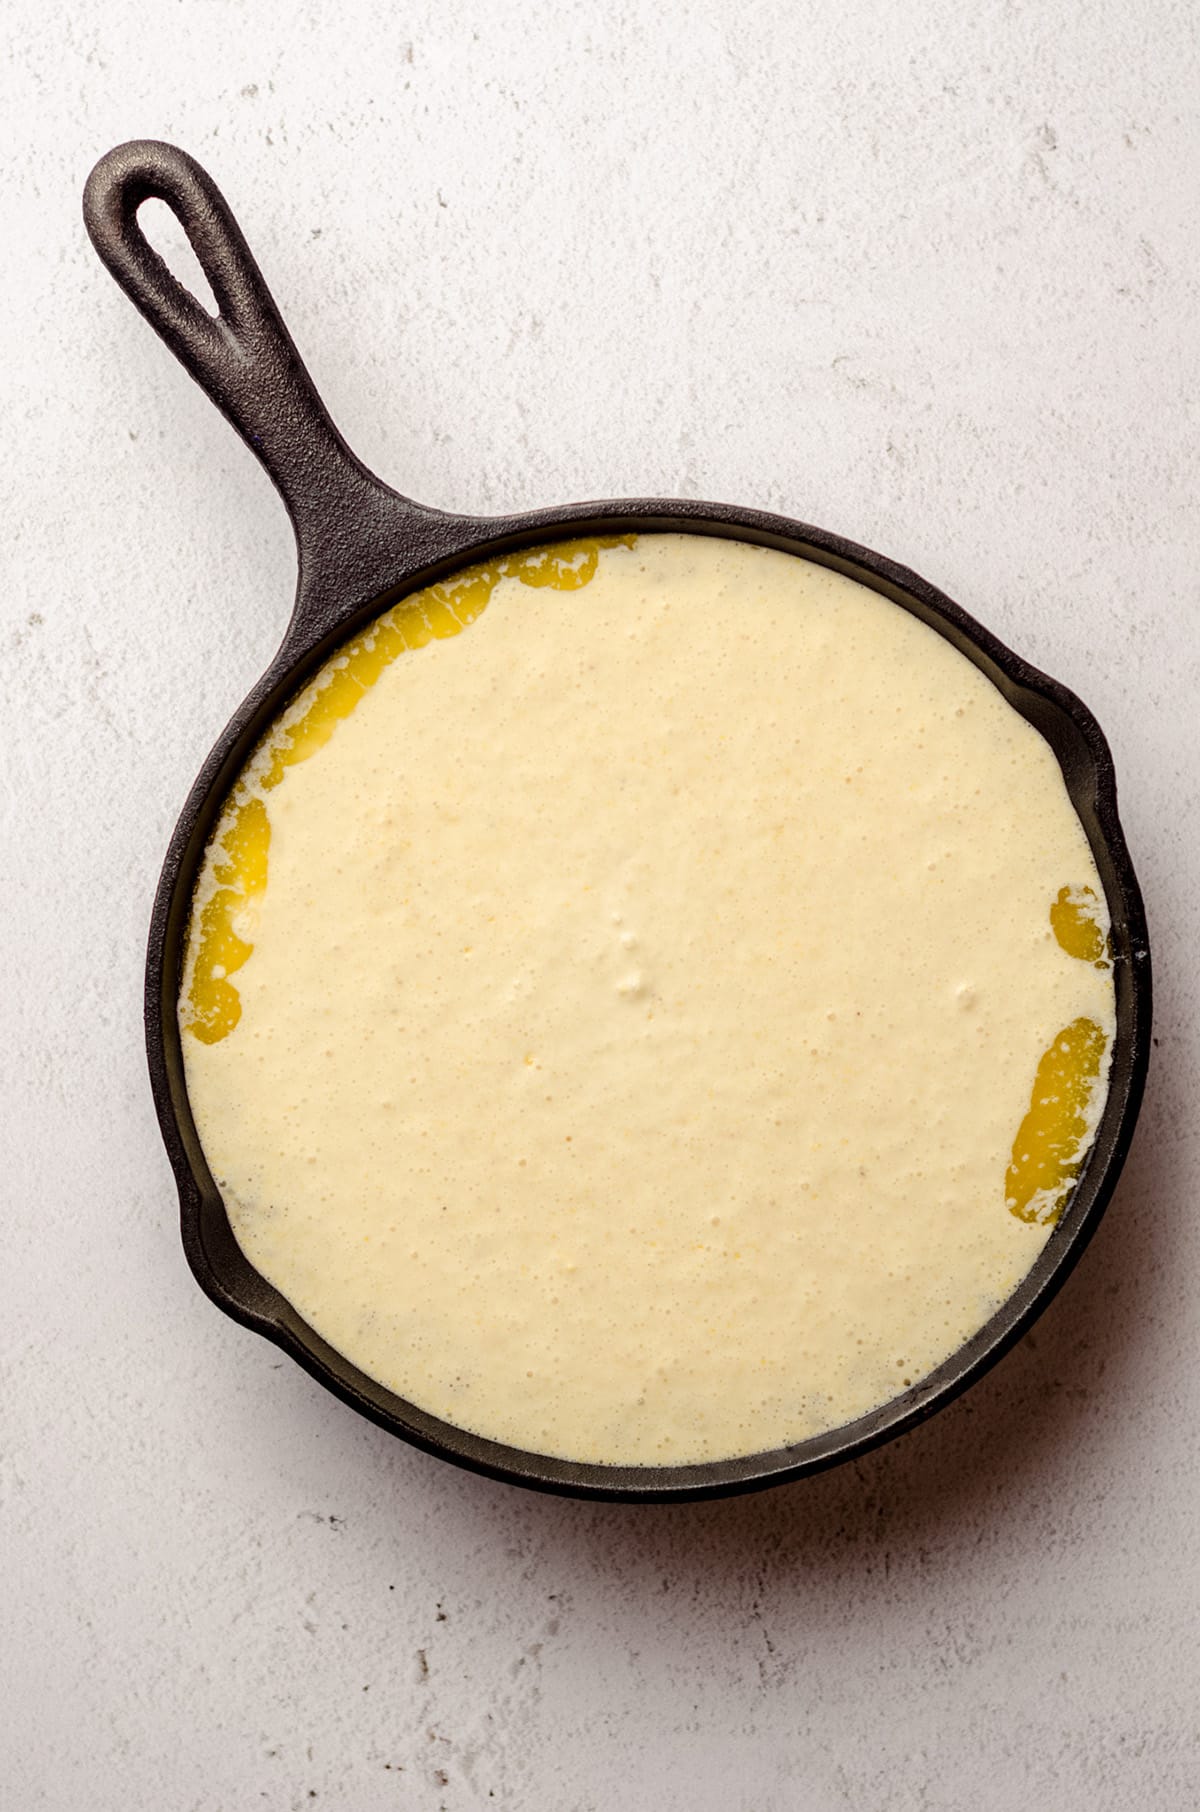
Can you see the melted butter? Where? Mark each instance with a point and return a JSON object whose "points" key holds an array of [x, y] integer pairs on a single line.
{"points": [[1075, 920], [625, 1055], [1055, 1134], [222, 945], [1057, 1130], [212, 1005]]}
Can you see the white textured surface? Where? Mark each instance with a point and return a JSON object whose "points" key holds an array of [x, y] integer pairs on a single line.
{"points": [[924, 274]]}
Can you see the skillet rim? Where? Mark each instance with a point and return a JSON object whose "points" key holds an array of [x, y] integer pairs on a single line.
{"points": [[316, 630]]}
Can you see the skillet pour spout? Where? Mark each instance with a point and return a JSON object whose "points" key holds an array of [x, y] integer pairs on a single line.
{"points": [[361, 546]]}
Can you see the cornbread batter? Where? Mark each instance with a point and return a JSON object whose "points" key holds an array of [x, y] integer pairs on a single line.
{"points": [[647, 1001]]}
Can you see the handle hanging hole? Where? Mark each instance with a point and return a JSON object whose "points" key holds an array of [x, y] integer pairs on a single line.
{"points": [[164, 232], [205, 295]]}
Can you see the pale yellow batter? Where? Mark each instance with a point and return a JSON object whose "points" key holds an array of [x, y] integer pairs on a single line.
{"points": [[647, 1002]]}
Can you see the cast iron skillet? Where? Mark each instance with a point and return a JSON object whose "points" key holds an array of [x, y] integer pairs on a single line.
{"points": [[362, 546]]}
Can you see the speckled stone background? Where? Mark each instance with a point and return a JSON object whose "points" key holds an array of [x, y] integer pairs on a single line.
{"points": [[925, 274]]}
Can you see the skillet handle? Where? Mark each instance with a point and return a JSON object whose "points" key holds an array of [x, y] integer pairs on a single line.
{"points": [[354, 535]]}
